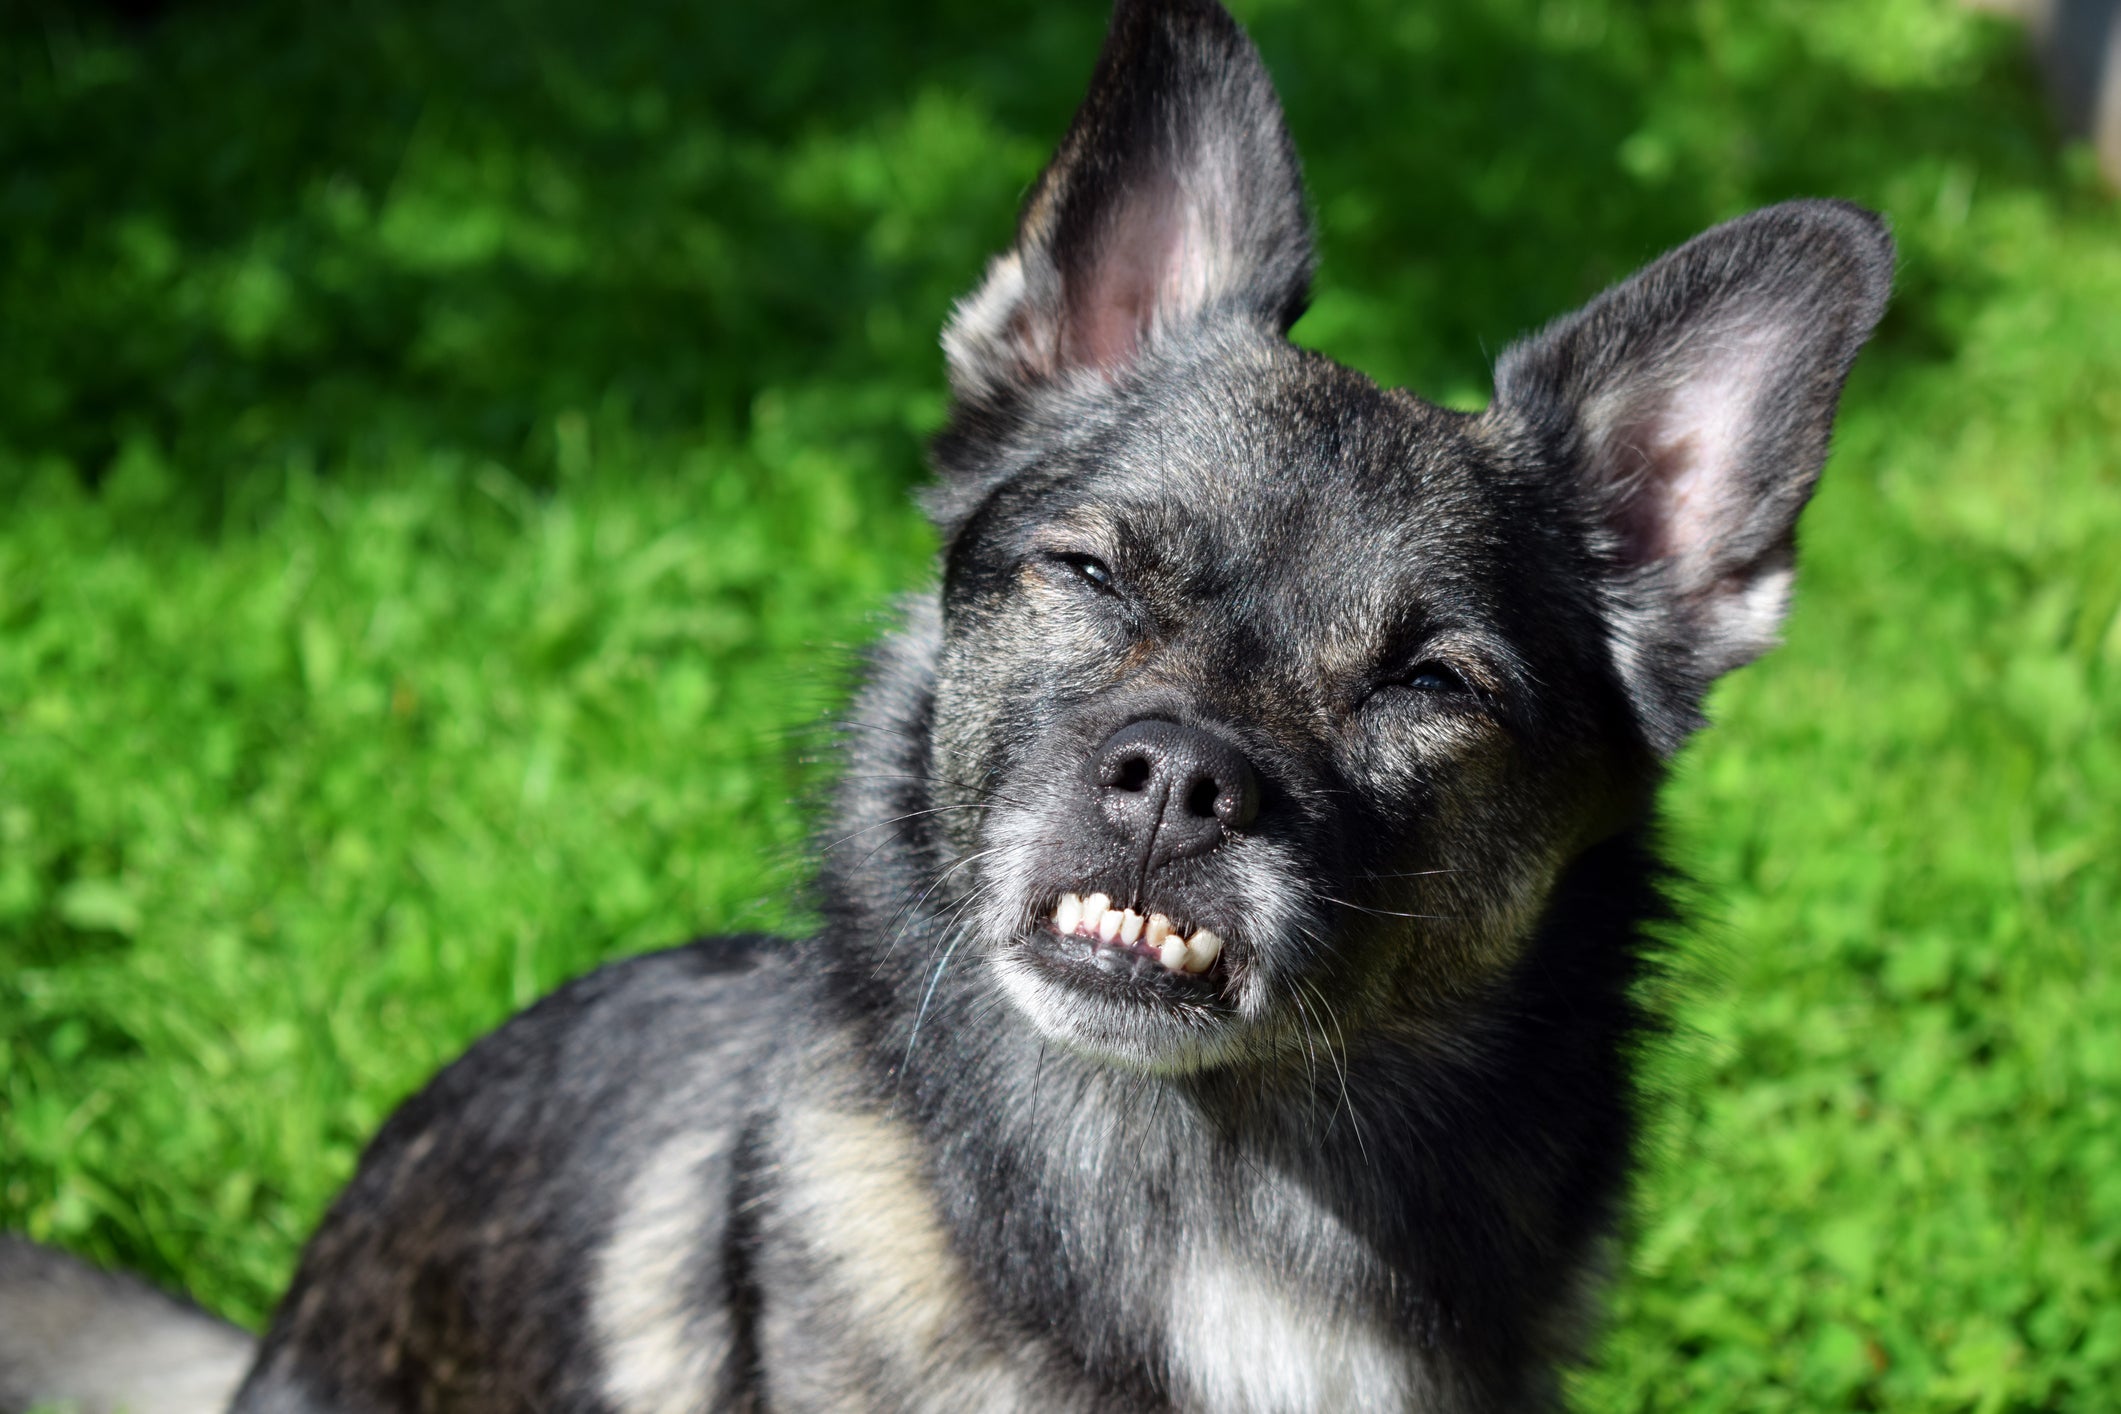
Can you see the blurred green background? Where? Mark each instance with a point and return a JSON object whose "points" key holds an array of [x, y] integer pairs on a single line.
{"points": [[447, 453]]}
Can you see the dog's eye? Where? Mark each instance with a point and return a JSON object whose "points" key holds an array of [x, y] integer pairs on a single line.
{"points": [[1435, 677], [1430, 684], [1090, 569]]}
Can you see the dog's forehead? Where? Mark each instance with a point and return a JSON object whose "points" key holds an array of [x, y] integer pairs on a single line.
{"points": [[1307, 494], [1288, 443]]}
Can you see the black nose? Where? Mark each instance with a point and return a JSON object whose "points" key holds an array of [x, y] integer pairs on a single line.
{"points": [[1172, 790]]}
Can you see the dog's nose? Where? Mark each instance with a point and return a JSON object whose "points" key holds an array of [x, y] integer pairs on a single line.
{"points": [[1173, 791]]}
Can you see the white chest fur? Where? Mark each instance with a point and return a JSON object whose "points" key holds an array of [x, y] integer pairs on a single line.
{"points": [[1248, 1340]]}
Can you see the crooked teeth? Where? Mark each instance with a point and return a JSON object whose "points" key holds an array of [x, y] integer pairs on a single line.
{"points": [[1201, 951], [1095, 917]]}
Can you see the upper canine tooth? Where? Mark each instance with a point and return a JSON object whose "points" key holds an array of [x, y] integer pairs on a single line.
{"points": [[1108, 926], [1201, 951], [1094, 906], [1159, 929], [1130, 926], [1068, 914]]}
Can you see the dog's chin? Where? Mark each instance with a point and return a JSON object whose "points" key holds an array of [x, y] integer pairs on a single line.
{"points": [[1118, 1007]]}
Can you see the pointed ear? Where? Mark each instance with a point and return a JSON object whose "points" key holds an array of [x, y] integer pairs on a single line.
{"points": [[1691, 404], [1176, 194]]}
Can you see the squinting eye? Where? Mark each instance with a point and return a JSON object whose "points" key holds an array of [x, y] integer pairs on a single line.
{"points": [[1435, 677], [1090, 569]]}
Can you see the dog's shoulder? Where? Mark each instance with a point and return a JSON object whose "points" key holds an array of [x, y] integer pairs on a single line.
{"points": [[572, 1169]]}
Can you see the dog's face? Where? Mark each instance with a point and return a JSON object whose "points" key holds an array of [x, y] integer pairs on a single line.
{"points": [[1271, 702], [1265, 655]]}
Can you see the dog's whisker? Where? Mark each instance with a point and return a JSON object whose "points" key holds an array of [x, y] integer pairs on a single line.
{"points": [[1338, 1054], [946, 925], [1310, 1062], [1390, 912], [909, 913], [985, 793], [900, 820], [928, 996]]}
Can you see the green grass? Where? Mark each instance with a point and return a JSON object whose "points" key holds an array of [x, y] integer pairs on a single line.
{"points": [[446, 455]]}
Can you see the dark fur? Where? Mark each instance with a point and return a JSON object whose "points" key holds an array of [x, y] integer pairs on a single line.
{"points": [[940, 1158]]}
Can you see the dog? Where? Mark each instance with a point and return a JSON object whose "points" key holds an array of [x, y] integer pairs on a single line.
{"points": [[1237, 885]]}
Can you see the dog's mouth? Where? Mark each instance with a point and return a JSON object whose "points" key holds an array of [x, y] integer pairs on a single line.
{"points": [[1123, 943]]}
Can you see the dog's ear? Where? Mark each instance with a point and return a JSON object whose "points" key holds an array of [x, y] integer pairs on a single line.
{"points": [[1692, 404], [1175, 195]]}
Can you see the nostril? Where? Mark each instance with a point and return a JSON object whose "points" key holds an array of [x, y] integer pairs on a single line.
{"points": [[1172, 790]]}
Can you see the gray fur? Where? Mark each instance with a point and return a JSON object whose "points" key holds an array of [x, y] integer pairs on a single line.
{"points": [[107, 1343], [1413, 674]]}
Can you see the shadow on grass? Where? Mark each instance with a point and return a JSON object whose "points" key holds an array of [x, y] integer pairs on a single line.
{"points": [[247, 236]]}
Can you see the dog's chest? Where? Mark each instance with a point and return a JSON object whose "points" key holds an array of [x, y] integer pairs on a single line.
{"points": [[1255, 1303], [1246, 1336]]}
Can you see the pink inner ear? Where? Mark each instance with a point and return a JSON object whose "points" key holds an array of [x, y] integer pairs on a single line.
{"points": [[1133, 276], [1678, 455], [1707, 423]]}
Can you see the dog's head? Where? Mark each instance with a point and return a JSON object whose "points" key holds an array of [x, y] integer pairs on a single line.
{"points": [[1269, 700]]}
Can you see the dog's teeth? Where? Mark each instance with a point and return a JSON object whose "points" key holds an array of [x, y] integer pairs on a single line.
{"points": [[1094, 907], [1108, 926], [1172, 953], [1068, 914], [1201, 951], [1130, 926], [1159, 929]]}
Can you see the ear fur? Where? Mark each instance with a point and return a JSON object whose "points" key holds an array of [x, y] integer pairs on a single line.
{"points": [[1692, 404], [1176, 194]]}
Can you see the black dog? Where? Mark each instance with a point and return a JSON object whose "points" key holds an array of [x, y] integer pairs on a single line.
{"points": [[1225, 998]]}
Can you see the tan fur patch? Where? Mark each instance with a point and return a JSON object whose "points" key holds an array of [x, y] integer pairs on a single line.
{"points": [[661, 1351], [869, 1206], [856, 1193]]}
